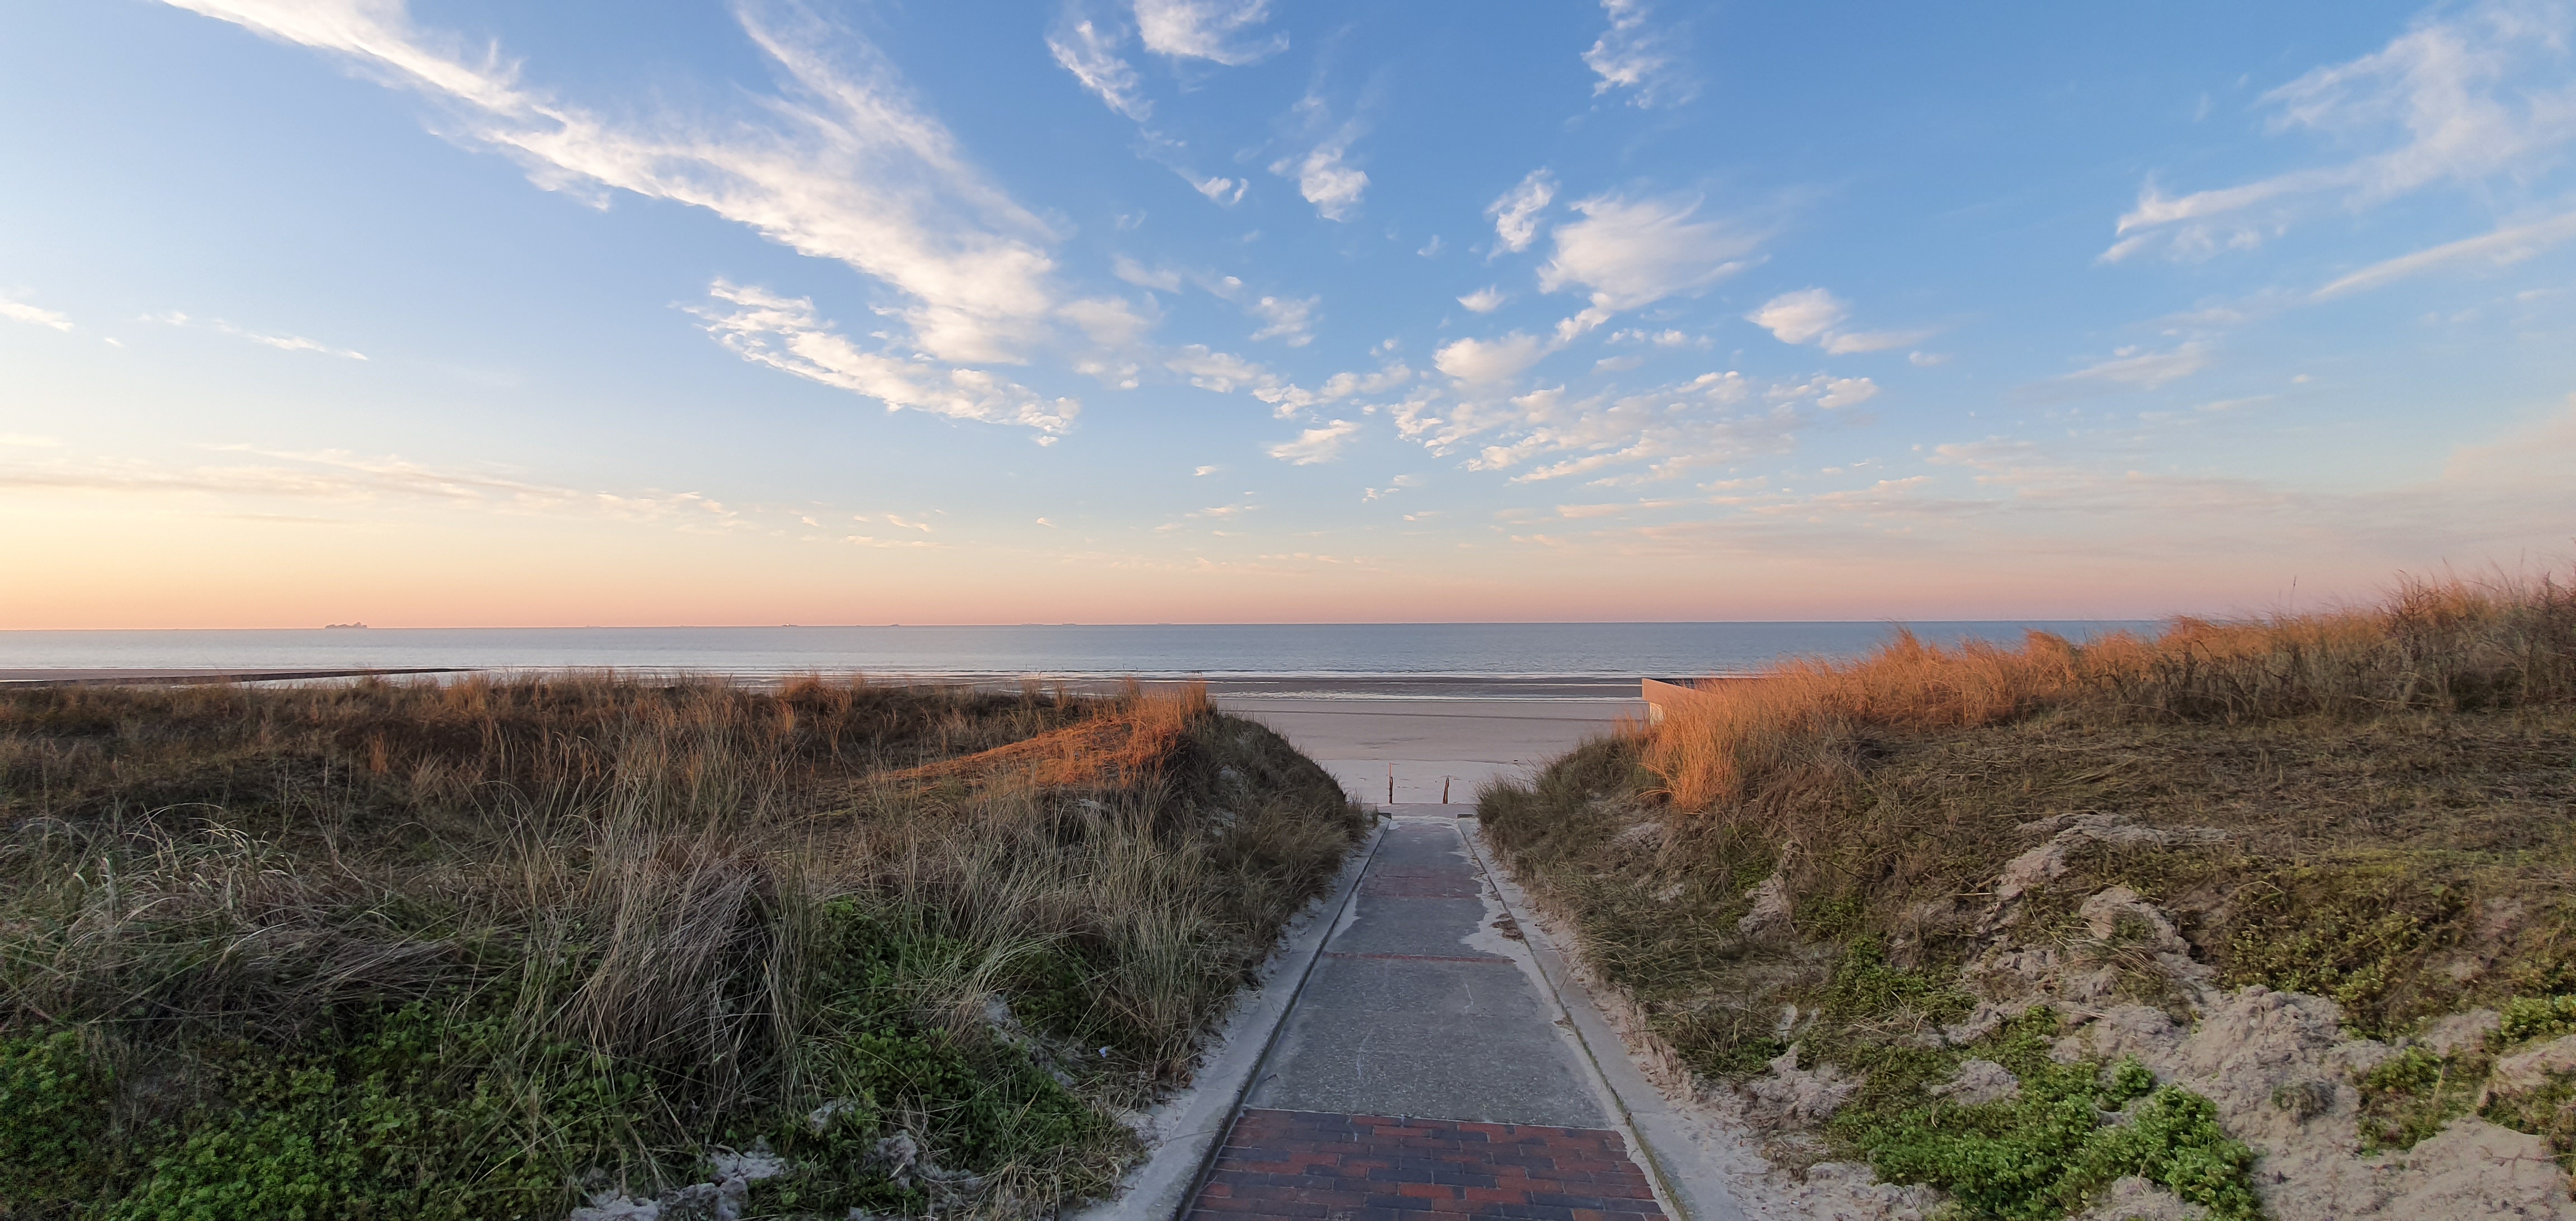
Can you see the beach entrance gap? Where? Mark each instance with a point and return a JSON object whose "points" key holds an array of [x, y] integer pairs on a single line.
{"points": [[1426, 1065], [1455, 740]]}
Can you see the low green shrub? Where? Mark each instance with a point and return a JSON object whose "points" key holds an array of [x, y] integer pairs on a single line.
{"points": [[2549, 1112], [2048, 1152], [429, 1113], [2537, 1017], [2411, 1095], [53, 1121]]}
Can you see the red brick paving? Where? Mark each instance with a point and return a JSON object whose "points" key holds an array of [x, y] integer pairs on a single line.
{"points": [[1320, 1167]]}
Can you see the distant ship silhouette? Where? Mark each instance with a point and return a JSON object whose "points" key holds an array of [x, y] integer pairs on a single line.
{"points": [[328, 626]]}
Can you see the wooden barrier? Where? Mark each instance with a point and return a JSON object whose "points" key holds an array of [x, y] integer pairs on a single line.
{"points": [[1660, 695]]}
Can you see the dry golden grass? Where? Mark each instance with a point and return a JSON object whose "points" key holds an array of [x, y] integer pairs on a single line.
{"points": [[2442, 646], [2376, 804], [1115, 748], [645, 918]]}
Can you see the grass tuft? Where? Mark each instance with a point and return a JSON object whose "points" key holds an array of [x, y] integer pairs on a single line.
{"points": [[2371, 804], [484, 949]]}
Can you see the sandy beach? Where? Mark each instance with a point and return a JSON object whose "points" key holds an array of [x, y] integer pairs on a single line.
{"points": [[1426, 743], [1435, 737]]}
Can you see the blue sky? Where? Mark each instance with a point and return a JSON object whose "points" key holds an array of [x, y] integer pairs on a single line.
{"points": [[1221, 309]]}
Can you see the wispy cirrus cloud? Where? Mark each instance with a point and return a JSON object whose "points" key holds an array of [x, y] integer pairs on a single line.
{"points": [[2141, 369], [840, 165], [1515, 212], [34, 315], [1219, 31], [342, 476], [1091, 55], [786, 334], [2470, 95], [1637, 55], [279, 340], [2503, 248]]}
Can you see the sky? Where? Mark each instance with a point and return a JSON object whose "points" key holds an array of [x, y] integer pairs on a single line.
{"points": [[464, 313]]}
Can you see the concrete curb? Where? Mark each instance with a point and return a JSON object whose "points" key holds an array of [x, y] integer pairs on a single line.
{"points": [[1681, 1175], [1165, 1183]]}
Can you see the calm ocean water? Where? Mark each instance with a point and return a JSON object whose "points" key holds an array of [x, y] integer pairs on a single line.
{"points": [[1326, 652]]}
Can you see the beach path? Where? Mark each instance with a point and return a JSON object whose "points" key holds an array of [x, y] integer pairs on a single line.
{"points": [[1425, 1066], [1430, 744]]}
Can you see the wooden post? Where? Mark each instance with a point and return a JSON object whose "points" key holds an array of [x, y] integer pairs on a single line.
{"points": [[1390, 784], [1444, 789]]}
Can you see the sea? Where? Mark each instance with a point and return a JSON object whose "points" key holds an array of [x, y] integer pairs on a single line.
{"points": [[1349, 660]]}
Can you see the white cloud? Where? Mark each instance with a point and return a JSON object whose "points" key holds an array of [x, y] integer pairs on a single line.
{"points": [[1813, 315], [1222, 372], [24, 441], [1486, 361], [1845, 342], [1334, 188], [20, 311], [1846, 392], [784, 334], [1485, 300], [1798, 317], [1323, 177], [841, 166], [1287, 400], [1632, 54], [1160, 279], [1206, 29], [1111, 322], [2501, 248], [337, 475], [1224, 192], [2145, 370], [1635, 253], [1667, 338], [2467, 95], [1657, 434], [1320, 444], [1927, 360], [281, 342], [1516, 211], [1092, 58], [862, 540], [289, 343], [1285, 318], [1205, 471]]}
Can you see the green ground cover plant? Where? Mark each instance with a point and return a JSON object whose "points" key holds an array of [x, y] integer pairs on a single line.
{"points": [[491, 948], [2372, 805]]}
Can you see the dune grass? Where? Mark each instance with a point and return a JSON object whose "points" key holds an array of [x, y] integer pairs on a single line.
{"points": [[491, 948], [2372, 804]]}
